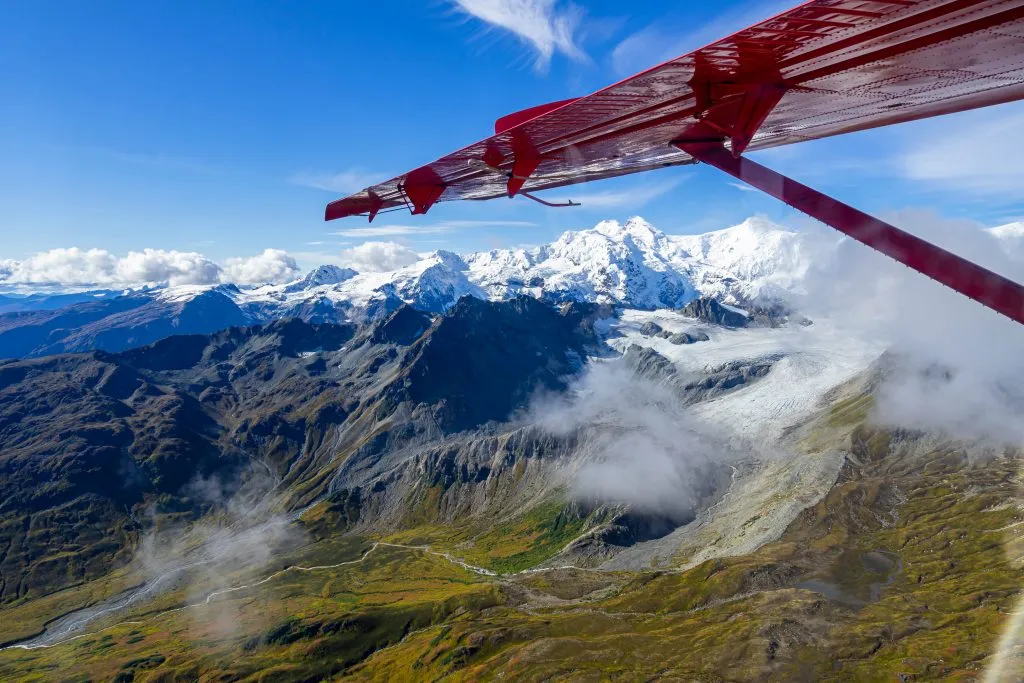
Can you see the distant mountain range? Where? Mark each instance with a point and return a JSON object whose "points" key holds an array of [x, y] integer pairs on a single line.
{"points": [[16, 303], [634, 265]]}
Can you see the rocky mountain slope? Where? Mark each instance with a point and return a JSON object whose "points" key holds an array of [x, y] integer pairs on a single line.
{"points": [[465, 496], [302, 409], [612, 456]]}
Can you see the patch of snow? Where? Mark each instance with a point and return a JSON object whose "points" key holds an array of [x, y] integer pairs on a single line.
{"points": [[811, 361]]}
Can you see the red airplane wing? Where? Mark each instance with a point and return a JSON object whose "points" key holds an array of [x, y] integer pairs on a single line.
{"points": [[823, 68]]}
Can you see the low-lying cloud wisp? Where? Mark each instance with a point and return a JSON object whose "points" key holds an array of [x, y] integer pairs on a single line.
{"points": [[239, 536], [641, 448]]}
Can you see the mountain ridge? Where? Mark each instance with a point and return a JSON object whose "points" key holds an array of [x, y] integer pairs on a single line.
{"points": [[632, 264]]}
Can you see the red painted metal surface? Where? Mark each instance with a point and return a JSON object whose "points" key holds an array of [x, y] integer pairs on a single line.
{"points": [[838, 66], [510, 121], [987, 288], [423, 187], [525, 160]]}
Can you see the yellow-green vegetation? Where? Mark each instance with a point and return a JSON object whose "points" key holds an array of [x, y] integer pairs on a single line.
{"points": [[301, 625], [851, 411], [914, 553], [525, 541], [519, 543]]}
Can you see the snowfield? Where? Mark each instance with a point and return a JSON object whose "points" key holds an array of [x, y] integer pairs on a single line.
{"points": [[814, 360]]}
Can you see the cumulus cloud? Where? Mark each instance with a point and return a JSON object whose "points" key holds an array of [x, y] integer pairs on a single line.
{"points": [[64, 266], [173, 267], [546, 26], [376, 257], [75, 267], [273, 265]]}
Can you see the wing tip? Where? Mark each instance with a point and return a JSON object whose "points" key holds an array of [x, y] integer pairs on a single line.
{"points": [[333, 211]]}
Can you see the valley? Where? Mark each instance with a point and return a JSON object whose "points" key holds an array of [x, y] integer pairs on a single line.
{"points": [[511, 484]]}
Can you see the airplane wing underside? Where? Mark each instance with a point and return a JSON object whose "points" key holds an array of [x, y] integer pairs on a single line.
{"points": [[824, 68]]}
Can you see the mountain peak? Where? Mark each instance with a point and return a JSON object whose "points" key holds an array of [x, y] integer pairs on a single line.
{"points": [[322, 275], [449, 259], [637, 228]]}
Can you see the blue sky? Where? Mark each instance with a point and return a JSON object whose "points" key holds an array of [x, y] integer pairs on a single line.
{"points": [[223, 127]]}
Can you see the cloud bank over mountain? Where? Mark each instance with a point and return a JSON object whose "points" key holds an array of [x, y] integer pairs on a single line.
{"points": [[75, 267]]}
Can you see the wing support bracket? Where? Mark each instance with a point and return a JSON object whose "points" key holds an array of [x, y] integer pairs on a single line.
{"points": [[421, 189], [980, 284], [525, 160], [556, 205], [735, 110], [376, 204]]}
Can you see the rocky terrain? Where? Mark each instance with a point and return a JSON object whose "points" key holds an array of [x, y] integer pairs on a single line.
{"points": [[607, 458]]}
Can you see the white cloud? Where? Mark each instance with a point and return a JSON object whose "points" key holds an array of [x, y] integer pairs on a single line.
{"points": [[938, 330], [346, 182], [547, 26], [743, 187], [75, 267], [376, 257], [983, 153], [173, 267], [64, 267], [273, 265], [634, 197], [642, 448]]}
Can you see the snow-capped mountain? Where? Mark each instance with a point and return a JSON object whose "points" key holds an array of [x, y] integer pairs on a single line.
{"points": [[637, 265], [320, 276], [431, 284], [632, 264]]}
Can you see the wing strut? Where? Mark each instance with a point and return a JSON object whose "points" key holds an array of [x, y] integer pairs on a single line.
{"points": [[987, 288]]}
